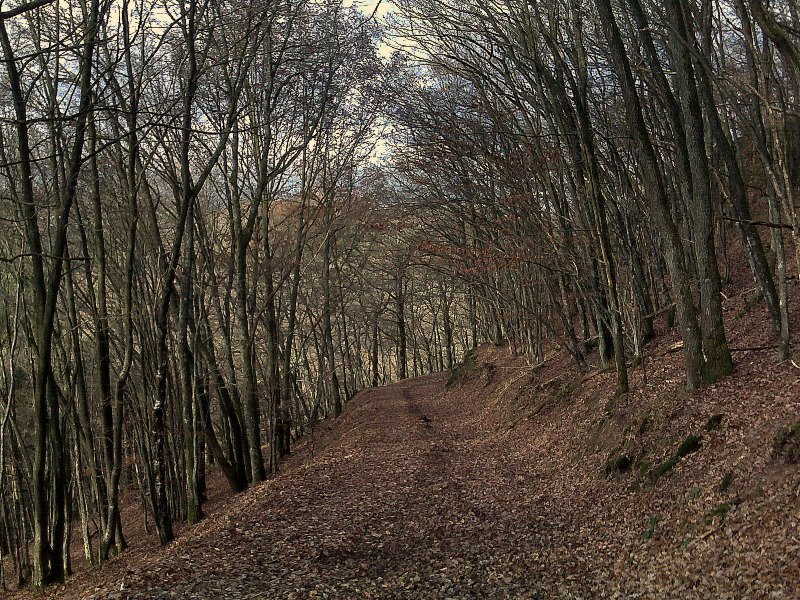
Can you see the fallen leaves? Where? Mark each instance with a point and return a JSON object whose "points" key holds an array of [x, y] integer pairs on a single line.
{"points": [[420, 491]]}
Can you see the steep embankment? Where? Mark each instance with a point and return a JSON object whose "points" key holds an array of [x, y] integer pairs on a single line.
{"points": [[516, 482]]}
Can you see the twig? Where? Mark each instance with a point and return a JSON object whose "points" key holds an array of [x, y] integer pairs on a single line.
{"points": [[755, 348], [762, 223]]}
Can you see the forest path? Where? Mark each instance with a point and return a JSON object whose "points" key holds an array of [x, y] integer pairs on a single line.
{"points": [[405, 496]]}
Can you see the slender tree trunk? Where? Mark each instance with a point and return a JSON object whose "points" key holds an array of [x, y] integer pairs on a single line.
{"points": [[327, 330], [400, 314]]}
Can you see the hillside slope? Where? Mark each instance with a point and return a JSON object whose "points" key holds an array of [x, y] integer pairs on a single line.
{"points": [[515, 482]]}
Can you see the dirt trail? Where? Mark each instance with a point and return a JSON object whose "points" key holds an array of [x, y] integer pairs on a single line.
{"points": [[496, 489], [399, 498]]}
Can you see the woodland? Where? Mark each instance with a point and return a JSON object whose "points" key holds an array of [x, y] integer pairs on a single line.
{"points": [[226, 218]]}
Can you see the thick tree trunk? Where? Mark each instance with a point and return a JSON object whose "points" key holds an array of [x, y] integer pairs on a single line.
{"points": [[718, 362], [250, 400], [659, 204]]}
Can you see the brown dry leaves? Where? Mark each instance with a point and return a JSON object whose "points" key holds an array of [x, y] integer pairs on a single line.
{"points": [[422, 492]]}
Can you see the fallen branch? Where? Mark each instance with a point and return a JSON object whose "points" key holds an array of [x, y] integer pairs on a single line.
{"points": [[761, 223], [674, 348], [755, 348]]}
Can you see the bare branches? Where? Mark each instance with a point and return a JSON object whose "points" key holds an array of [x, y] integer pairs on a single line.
{"points": [[23, 8]]}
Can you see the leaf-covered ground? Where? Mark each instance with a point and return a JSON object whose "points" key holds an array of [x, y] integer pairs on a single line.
{"points": [[510, 485]]}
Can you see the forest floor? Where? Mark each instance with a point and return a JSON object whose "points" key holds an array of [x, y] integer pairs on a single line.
{"points": [[515, 482]]}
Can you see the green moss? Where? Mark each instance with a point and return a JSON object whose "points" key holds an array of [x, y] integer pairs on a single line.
{"points": [[726, 482], [664, 468], [689, 445]]}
